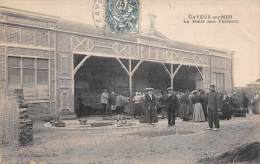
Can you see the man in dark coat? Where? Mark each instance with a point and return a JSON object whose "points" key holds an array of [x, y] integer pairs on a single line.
{"points": [[213, 108], [245, 102], [172, 106], [150, 114]]}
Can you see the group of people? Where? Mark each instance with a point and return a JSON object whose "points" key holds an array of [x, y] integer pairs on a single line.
{"points": [[197, 106], [113, 103]]}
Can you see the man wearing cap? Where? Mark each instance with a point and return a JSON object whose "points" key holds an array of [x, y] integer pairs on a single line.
{"points": [[150, 111], [172, 106], [213, 106]]}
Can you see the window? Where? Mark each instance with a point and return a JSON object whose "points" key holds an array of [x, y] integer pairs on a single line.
{"points": [[42, 77], [30, 74], [14, 73]]}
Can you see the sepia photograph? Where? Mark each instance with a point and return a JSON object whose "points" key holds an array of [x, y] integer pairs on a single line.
{"points": [[129, 82]]}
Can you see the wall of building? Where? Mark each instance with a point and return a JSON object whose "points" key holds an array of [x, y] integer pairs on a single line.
{"points": [[27, 42], [26, 37], [64, 73], [221, 66]]}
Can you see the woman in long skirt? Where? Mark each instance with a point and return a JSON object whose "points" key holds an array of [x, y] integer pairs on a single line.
{"points": [[198, 115]]}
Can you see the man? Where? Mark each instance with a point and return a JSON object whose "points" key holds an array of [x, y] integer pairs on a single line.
{"points": [[172, 106], [112, 102], [150, 110], [213, 108], [104, 100], [163, 103], [81, 105]]}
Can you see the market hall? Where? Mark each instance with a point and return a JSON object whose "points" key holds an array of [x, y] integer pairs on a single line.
{"points": [[53, 60]]}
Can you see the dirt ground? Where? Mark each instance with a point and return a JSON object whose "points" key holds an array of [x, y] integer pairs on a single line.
{"points": [[187, 143]]}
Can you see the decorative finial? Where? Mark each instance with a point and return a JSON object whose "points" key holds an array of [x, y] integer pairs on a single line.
{"points": [[152, 21]]}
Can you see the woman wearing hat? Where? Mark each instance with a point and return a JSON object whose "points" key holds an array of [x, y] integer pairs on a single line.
{"points": [[150, 113], [198, 115]]}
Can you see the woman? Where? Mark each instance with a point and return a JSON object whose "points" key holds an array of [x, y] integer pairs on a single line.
{"points": [[198, 115], [150, 113], [184, 106]]}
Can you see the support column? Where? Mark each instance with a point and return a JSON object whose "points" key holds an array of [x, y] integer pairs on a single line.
{"points": [[130, 72], [171, 76], [130, 81], [131, 105]]}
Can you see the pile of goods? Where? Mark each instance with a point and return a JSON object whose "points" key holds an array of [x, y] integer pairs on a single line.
{"points": [[25, 134]]}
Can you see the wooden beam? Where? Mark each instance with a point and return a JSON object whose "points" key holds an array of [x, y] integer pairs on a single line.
{"points": [[80, 43], [166, 69], [80, 64], [176, 71], [136, 67], [123, 66], [200, 72]]}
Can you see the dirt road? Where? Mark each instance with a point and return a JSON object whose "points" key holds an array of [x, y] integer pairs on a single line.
{"points": [[187, 143]]}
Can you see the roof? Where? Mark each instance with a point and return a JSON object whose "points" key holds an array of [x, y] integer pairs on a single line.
{"points": [[77, 27], [150, 35], [28, 14]]}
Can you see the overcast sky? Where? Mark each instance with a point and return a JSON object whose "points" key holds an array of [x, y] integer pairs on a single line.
{"points": [[242, 37]]}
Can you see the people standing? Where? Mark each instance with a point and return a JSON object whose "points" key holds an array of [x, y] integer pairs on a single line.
{"points": [[172, 106], [184, 106], [213, 109], [150, 115], [104, 100], [198, 114], [121, 103]]}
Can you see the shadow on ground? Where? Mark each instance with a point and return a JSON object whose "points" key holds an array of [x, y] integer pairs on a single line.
{"points": [[247, 153]]}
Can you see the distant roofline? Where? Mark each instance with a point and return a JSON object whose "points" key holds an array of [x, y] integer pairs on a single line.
{"points": [[56, 19], [24, 13]]}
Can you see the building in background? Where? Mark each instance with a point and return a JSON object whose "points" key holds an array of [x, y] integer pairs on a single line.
{"points": [[54, 61]]}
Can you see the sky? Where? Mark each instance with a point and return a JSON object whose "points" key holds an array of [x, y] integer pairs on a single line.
{"points": [[242, 37]]}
